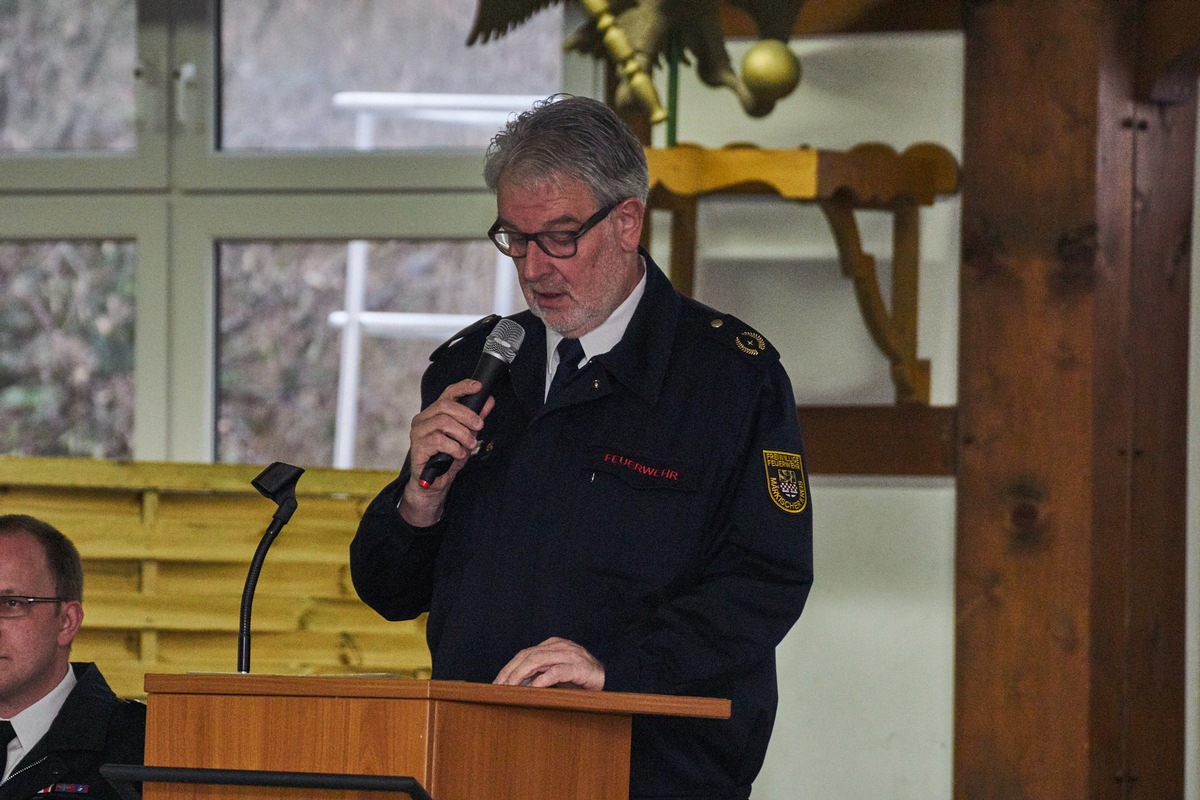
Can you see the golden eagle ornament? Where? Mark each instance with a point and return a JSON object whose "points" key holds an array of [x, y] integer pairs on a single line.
{"points": [[635, 34]]}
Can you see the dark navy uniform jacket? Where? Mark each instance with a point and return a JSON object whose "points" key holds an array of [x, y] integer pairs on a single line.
{"points": [[656, 512], [93, 727]]}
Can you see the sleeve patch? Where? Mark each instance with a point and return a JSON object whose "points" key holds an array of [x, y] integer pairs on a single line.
{"points": [[785, 480]]}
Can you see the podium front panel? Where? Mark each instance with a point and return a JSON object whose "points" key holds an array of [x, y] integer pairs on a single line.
{"points": [[286, 734], [486, 752]]}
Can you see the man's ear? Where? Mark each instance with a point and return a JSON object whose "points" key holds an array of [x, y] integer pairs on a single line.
{"points": [[630, 215], [70, 617]]}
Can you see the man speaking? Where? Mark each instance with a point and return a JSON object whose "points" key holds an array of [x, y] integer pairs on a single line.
{"points": [[629, 509]]}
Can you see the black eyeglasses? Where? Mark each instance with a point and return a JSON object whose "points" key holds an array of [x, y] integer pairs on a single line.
{"points": [[556, 244], [14, 607]]}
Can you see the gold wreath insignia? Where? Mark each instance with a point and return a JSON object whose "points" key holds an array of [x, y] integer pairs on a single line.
{"points": [[751, 343]]}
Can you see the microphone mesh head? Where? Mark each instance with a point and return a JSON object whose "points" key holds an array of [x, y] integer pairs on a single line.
{"points": [[504, 340]]}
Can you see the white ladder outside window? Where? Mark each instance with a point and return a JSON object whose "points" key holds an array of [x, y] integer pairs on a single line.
{"points": [[490, 111]]}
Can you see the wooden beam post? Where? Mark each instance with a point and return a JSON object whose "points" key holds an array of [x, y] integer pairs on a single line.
{"points": [[1072, 409]]}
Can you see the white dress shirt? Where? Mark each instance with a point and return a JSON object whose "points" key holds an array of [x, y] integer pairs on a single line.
{"points": [[32, 723], [600, 340]]}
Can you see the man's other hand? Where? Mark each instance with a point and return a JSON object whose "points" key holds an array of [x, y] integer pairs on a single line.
{"points": [[554, 662]]}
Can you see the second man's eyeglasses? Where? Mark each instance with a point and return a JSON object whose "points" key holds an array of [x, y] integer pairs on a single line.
{"points": [[12, 606]]}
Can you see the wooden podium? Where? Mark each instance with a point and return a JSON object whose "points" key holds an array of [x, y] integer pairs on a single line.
{"points": [[459, 741]]}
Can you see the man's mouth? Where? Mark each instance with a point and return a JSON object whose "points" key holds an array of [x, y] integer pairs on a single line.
{"points": [[549, 298]]}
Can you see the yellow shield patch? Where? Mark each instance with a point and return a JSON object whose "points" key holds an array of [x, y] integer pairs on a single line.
{"points": [[785, 480]]}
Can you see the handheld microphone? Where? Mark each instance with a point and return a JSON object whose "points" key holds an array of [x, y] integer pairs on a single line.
{"points": [[498, 352]]}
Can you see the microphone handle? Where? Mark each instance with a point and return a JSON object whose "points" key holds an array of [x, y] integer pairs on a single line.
{"points": [[487, 371]]}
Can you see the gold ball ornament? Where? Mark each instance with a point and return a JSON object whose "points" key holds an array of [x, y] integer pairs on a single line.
{"points": [[770, 70]]}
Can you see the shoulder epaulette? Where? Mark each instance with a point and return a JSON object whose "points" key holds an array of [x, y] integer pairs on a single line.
{"points": [[481, 326], [732, 332]]}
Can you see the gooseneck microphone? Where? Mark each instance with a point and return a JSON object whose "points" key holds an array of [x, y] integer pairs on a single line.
{"points": [[277, 482], [498, 352]]}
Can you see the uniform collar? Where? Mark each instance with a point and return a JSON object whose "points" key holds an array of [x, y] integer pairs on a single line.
{"points": [[638, 361], [32, 723], [606, 335], [79, 723]]}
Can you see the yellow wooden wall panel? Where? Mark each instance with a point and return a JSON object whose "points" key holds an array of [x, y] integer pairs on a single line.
{"points": [[117, 575], [279, 580], [348, 615], [166, 549], [93, 517], [351, 649], [290, 656], [107, 646], [194, 613], [224, 527]]}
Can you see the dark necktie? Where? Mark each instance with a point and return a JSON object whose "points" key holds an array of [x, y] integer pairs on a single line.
{"points": [[570, 352], [7, 734]]}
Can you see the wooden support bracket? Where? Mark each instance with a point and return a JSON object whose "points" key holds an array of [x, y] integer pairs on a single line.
{"points": [[895, 334], [870, 176]]}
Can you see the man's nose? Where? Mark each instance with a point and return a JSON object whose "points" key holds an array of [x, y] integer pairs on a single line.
{"points": [[536, 264]]}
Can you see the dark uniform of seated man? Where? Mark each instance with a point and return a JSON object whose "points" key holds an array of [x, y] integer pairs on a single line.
{"points": [[640, 525], [58, 721]]}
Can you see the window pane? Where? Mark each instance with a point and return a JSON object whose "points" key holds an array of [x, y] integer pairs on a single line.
{"points": [[283, 61], [67, 75], [66, 349], [281, 351]]}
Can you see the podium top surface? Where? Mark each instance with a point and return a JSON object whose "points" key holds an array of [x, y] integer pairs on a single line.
{"points": [[435, 690]]}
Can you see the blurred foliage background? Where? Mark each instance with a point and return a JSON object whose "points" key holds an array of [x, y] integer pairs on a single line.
{"points": [[66, 349]]}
